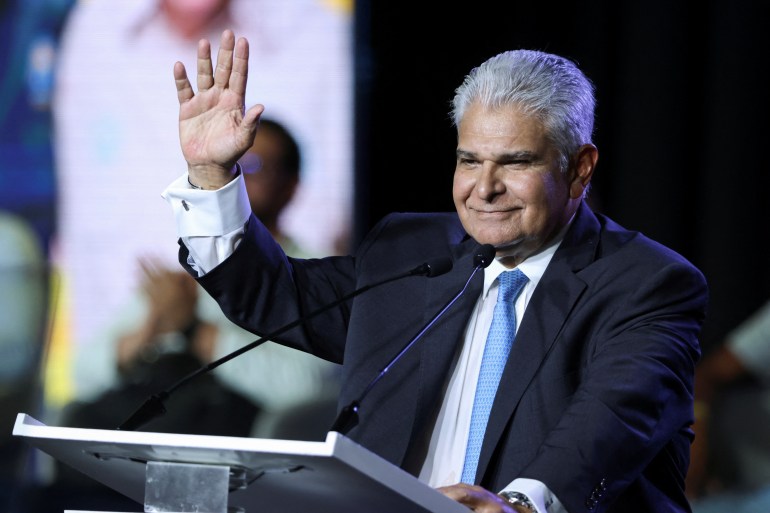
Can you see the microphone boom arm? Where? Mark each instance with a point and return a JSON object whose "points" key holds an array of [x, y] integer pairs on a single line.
{"points": [[348, 417], [154, 406]]}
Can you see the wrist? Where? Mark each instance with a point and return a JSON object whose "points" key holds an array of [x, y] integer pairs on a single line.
{"points": [[211, 178]]}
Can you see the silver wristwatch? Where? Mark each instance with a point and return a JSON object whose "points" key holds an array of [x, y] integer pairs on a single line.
{"points": [[517, 499]]}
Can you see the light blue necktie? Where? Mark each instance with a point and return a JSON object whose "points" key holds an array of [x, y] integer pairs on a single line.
{"points": [[496, 350]]}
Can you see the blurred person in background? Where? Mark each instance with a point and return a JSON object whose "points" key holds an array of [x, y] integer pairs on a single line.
{"points": [[730, 467], [113, 120]]}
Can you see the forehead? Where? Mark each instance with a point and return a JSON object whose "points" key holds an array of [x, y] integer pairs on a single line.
{"points": [[505, 127]]}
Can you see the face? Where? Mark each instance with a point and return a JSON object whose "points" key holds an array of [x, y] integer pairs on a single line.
{"points": [[269, 188], [509, 188], [191, 17]]}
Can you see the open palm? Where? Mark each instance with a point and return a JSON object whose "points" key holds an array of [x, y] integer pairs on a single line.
{"points": [[214, 128]]}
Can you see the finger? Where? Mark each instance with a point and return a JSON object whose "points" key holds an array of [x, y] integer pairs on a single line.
{"points": [[205, 70], [152, 265], [251, 118], [148, 269], [184, 90], [145, 264], [475, 497], [240, 67], [250, 124], [148, 275], [459, 492], [225, 59]]}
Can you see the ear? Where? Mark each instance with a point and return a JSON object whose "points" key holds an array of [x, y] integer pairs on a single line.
{"points": [[583, 165]]}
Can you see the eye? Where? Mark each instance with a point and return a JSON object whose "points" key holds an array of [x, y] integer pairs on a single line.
{"points": [[467, 161], [518, 162]]}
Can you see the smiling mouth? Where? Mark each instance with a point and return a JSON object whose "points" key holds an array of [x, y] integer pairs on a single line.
{"points": [[494, 212]]}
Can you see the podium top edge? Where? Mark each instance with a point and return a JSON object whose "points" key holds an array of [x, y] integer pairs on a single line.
{"points": [[27, 426]]}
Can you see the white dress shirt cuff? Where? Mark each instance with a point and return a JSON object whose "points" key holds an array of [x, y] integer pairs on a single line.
{"points": [[210, 223], [200, 213]]}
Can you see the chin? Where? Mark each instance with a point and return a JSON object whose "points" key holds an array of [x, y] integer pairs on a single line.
{"points": [[507, 247], [498, 240]]}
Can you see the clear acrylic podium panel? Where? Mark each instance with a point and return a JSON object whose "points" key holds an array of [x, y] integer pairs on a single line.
{"points": [[265, 475]]}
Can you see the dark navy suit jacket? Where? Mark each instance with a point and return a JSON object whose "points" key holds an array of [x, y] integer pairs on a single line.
{"points": [[596, 398]]}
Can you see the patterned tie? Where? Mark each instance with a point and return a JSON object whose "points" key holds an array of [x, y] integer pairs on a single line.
{"points": [[496, 350]]}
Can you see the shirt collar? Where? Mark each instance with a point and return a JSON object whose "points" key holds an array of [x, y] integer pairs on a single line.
{"points": [[533, 267]]}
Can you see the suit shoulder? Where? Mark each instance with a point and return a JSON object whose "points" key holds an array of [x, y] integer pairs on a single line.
{"points": [[635, 246], [417, 224], [409, 236]]}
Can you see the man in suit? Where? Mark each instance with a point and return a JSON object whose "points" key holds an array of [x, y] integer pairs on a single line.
{"points": [[593, 408]]}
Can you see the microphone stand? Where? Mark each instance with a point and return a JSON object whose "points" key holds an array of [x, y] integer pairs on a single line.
{"points": [[154, 405], [348, 417]]}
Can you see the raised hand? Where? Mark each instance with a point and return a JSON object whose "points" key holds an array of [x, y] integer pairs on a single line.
{"points": [[214, 127]]}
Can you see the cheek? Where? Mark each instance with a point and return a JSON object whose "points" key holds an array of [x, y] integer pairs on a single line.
{"points": [[461, 188], [546, 192], [541, 199]]}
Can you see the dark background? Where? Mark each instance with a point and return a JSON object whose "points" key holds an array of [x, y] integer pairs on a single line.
{"points": [[682, 117]]}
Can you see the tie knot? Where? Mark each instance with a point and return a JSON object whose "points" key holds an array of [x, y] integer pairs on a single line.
{"points": [[511, 283]]}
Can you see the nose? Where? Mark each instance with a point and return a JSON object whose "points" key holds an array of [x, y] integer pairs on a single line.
{"points": [[489, 183]]}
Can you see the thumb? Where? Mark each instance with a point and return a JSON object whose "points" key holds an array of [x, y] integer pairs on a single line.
{"points": [[251, 118]]}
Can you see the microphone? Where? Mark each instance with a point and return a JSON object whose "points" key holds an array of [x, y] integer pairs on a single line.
{"points": [[348, 417], [484, 255], [154, 405]]}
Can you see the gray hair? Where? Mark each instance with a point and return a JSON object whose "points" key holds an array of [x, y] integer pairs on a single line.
{"points": [[548, 86]]}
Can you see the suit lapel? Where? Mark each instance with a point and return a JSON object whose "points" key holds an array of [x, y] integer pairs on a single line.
{"points": [[548, 310], [439, 345], [436, 355]]}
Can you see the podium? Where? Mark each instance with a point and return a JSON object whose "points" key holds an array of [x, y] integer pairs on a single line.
{"points": [[218, 474]]}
